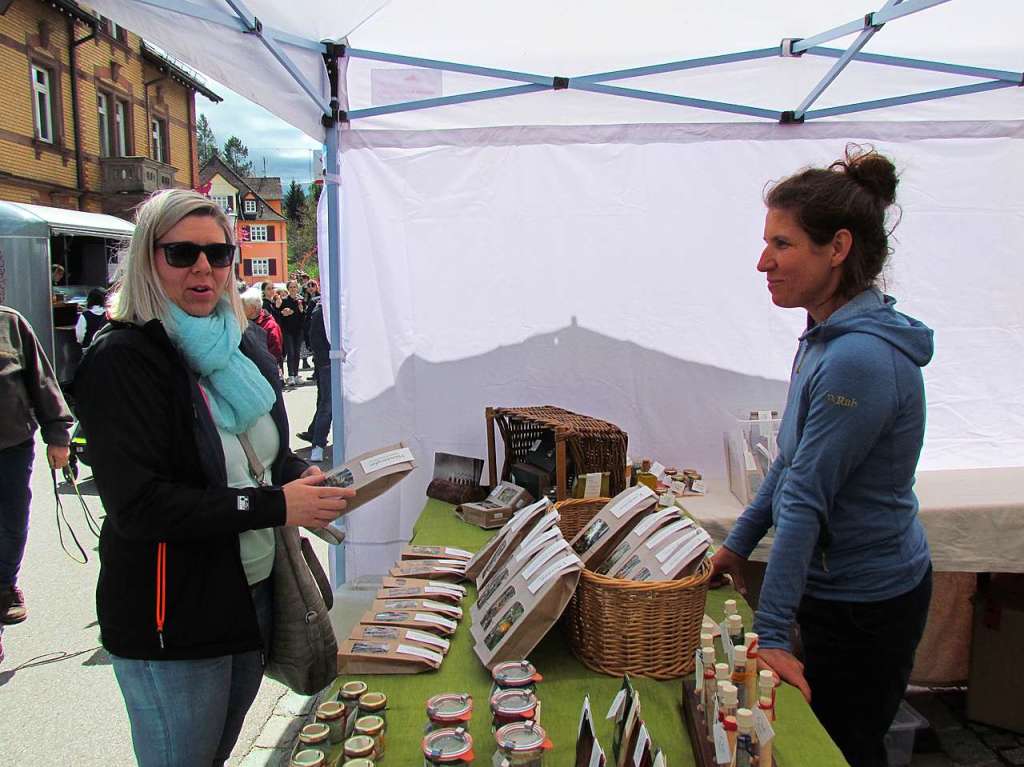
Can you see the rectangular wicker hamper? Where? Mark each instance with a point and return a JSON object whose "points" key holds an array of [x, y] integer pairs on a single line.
{"points": [[616, 626], [582, 444]]}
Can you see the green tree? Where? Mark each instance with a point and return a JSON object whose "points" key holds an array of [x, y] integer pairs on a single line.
{"points": [[206, 142], [236, 156], [302, 241], [294, 203]]}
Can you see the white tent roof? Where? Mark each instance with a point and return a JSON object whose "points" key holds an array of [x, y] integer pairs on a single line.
{"points": [[576, 39], [76, 222]]}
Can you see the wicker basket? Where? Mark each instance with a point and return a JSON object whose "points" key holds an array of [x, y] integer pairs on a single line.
{"points": [[616, 626], [583, 444]]}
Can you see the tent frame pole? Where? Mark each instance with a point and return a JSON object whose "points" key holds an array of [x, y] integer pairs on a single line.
{"points": [[911, 98], [230, 20], [869, 21]]}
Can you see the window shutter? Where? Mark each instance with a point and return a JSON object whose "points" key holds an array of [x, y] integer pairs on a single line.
{"points": [[245, 234], [247, 266], [272, 268], [270, 233]]}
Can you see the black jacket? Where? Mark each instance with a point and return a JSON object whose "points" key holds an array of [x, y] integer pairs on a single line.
{"points": [[319, 343], [159, 467]]}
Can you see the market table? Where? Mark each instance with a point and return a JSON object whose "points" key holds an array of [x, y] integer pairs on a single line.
{"points": [[800, 738], [974, 519]]}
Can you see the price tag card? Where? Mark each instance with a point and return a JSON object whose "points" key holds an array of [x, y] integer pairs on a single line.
{"points": [[727, 645], [762, 727], [698, 672], [618, 703], [723, 754]]}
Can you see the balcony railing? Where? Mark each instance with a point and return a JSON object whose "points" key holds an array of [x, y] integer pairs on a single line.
{"points": [[135, 174]]}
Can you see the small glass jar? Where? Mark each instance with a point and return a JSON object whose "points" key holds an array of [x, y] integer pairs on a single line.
{"points": [[308, 757], [521, 745], [510, 706], [449, 710], [373, 703], [315, 736], [372, 726], [359, 747], [452, 746], [517, 674], [332, 714], [349, 695]]}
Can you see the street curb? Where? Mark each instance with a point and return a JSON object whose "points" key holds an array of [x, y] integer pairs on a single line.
{"points": [[274, 745]]}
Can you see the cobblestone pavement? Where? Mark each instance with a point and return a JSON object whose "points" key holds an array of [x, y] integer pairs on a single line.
{"points": [[952, 741]]}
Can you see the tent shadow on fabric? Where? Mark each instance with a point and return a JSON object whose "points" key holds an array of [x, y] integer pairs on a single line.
{"points": [[573, 367]]}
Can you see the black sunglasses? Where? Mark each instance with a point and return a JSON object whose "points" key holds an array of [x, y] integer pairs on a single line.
{"points": [[184, 254]]}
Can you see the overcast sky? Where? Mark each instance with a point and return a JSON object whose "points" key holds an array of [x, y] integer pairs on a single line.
{"points": [[273, 144]]}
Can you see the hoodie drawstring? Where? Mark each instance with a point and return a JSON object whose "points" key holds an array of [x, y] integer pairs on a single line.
{"points": [[161, 590]]}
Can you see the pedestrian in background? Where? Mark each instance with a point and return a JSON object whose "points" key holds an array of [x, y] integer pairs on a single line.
{"points": [[93, 318], [261, 319], [290, 311], [188, 440], [320, 344], [30, 398]]}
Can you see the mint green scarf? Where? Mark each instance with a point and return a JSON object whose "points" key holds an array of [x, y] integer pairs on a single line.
{"points": [[238, 393]]}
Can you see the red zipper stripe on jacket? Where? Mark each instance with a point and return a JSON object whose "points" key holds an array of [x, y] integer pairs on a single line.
{"points": [[161, 590]]}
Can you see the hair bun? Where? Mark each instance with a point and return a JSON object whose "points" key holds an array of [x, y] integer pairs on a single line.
{"points": [[872, 171]]}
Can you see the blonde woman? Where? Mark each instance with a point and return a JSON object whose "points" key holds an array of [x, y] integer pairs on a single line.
{"points": [[168, 393]]}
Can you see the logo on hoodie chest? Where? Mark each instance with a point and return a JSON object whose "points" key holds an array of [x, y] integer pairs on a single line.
{"points": [[841, 400]]}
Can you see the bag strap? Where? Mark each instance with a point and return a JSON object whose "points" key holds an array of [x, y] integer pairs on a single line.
{"points": [[317, 570], [257, 470]]}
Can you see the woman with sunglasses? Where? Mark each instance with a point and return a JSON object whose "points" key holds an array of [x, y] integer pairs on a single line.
{"points": [[174, 400]]}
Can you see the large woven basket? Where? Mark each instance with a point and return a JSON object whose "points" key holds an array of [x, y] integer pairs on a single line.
{"points": [[616, 626]]}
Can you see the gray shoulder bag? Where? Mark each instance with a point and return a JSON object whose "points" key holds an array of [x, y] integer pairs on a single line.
{"points": [[303, 649]]}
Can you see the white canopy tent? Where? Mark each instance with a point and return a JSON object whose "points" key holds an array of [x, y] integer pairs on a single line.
{"points": [[562, 204]]}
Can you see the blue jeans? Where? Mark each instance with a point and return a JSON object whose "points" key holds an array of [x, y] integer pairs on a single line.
{"points": [[292, 346], [320, 426], [15, 499], [189, 712]]}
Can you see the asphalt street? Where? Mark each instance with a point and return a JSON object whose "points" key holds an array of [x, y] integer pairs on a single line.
{"points": [[59, 702]]}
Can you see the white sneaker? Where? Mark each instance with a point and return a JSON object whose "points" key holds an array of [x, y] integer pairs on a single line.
{"points": [[316, 455]]}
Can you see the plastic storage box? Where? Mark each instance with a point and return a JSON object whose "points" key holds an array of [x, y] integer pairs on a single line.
{"points": [[750, 447], [899, 741]]}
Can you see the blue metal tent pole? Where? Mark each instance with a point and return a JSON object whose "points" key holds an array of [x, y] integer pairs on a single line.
{"points": [[912, 98], [332, 188]]}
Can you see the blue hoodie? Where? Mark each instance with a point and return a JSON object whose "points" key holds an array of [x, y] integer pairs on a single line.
{"points": [[840, 493]]}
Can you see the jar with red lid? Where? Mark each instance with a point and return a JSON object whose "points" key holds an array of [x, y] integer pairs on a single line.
{"points": [[449, 710], [509, 706], [521, 744], [452, 746], [517, 674]]}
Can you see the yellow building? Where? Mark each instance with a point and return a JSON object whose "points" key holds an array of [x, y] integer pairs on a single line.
{"points": [[91, 116]]}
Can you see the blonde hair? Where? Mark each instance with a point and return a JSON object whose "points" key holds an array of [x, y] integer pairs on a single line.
{"points": [[140, 297]]}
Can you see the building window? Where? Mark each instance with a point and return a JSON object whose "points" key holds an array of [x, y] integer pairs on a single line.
{"points": [[42, 103], [121, 128], [258, 233], [261, 267], [103, 112], [224, 203], [250, 206], [114, 29], [158, 132]]}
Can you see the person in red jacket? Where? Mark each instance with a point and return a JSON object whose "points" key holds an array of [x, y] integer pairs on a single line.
{"points": [[252, 302]]}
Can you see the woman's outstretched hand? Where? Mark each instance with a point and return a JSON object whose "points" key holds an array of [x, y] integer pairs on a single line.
{"points": [[310, 504], [728, 562]]}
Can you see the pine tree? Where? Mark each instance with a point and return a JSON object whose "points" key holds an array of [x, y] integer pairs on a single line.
{"points": [[206, 142], [294, 203], [236, 157]]}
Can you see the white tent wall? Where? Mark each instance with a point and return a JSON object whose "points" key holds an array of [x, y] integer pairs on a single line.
{"points": [[612, 271]]}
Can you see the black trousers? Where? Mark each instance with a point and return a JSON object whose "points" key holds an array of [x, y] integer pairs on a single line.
{"points": [[857, 659]]}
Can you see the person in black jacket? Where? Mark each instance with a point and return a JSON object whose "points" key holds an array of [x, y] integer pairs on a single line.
{"points": [[320, 345], [173, 399], [290, 310]]}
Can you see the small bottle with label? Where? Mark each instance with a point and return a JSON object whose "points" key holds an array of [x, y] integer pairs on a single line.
{"points": [[727, 699], [729, 725], [766, 694], [707, 690], [645, 477], [751, 642], [745, 753], [729, 608], [735, 625], [739, 674], [714, 697]]}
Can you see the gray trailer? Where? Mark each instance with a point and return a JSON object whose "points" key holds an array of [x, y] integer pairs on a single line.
{"points": [[34, 238]]}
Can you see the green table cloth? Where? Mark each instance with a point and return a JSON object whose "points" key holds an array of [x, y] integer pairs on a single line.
{"points": [[800, 739]]}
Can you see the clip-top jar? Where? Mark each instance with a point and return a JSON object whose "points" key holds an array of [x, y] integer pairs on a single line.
{"points": [[316, 735], [349, 695], [332, 714], [510, 706], [518, 674], [373, 727], [449, 710], [451, 746], [359, 747], [308, 757], [521, 744]]}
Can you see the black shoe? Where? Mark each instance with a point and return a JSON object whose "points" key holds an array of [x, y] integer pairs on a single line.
{"points": [[12, 605], [305, 436]]}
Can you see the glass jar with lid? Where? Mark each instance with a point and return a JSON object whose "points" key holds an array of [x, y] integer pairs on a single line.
{"points": [[372, 726], [520, 674], [451, 746], [359, 747], [521, 744], [308, 757], [449, 710], [315, 736], [349, 695], [508, 706], [332, 714]]}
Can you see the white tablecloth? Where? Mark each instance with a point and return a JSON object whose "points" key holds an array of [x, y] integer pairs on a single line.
{"points": [[974, 518]]}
